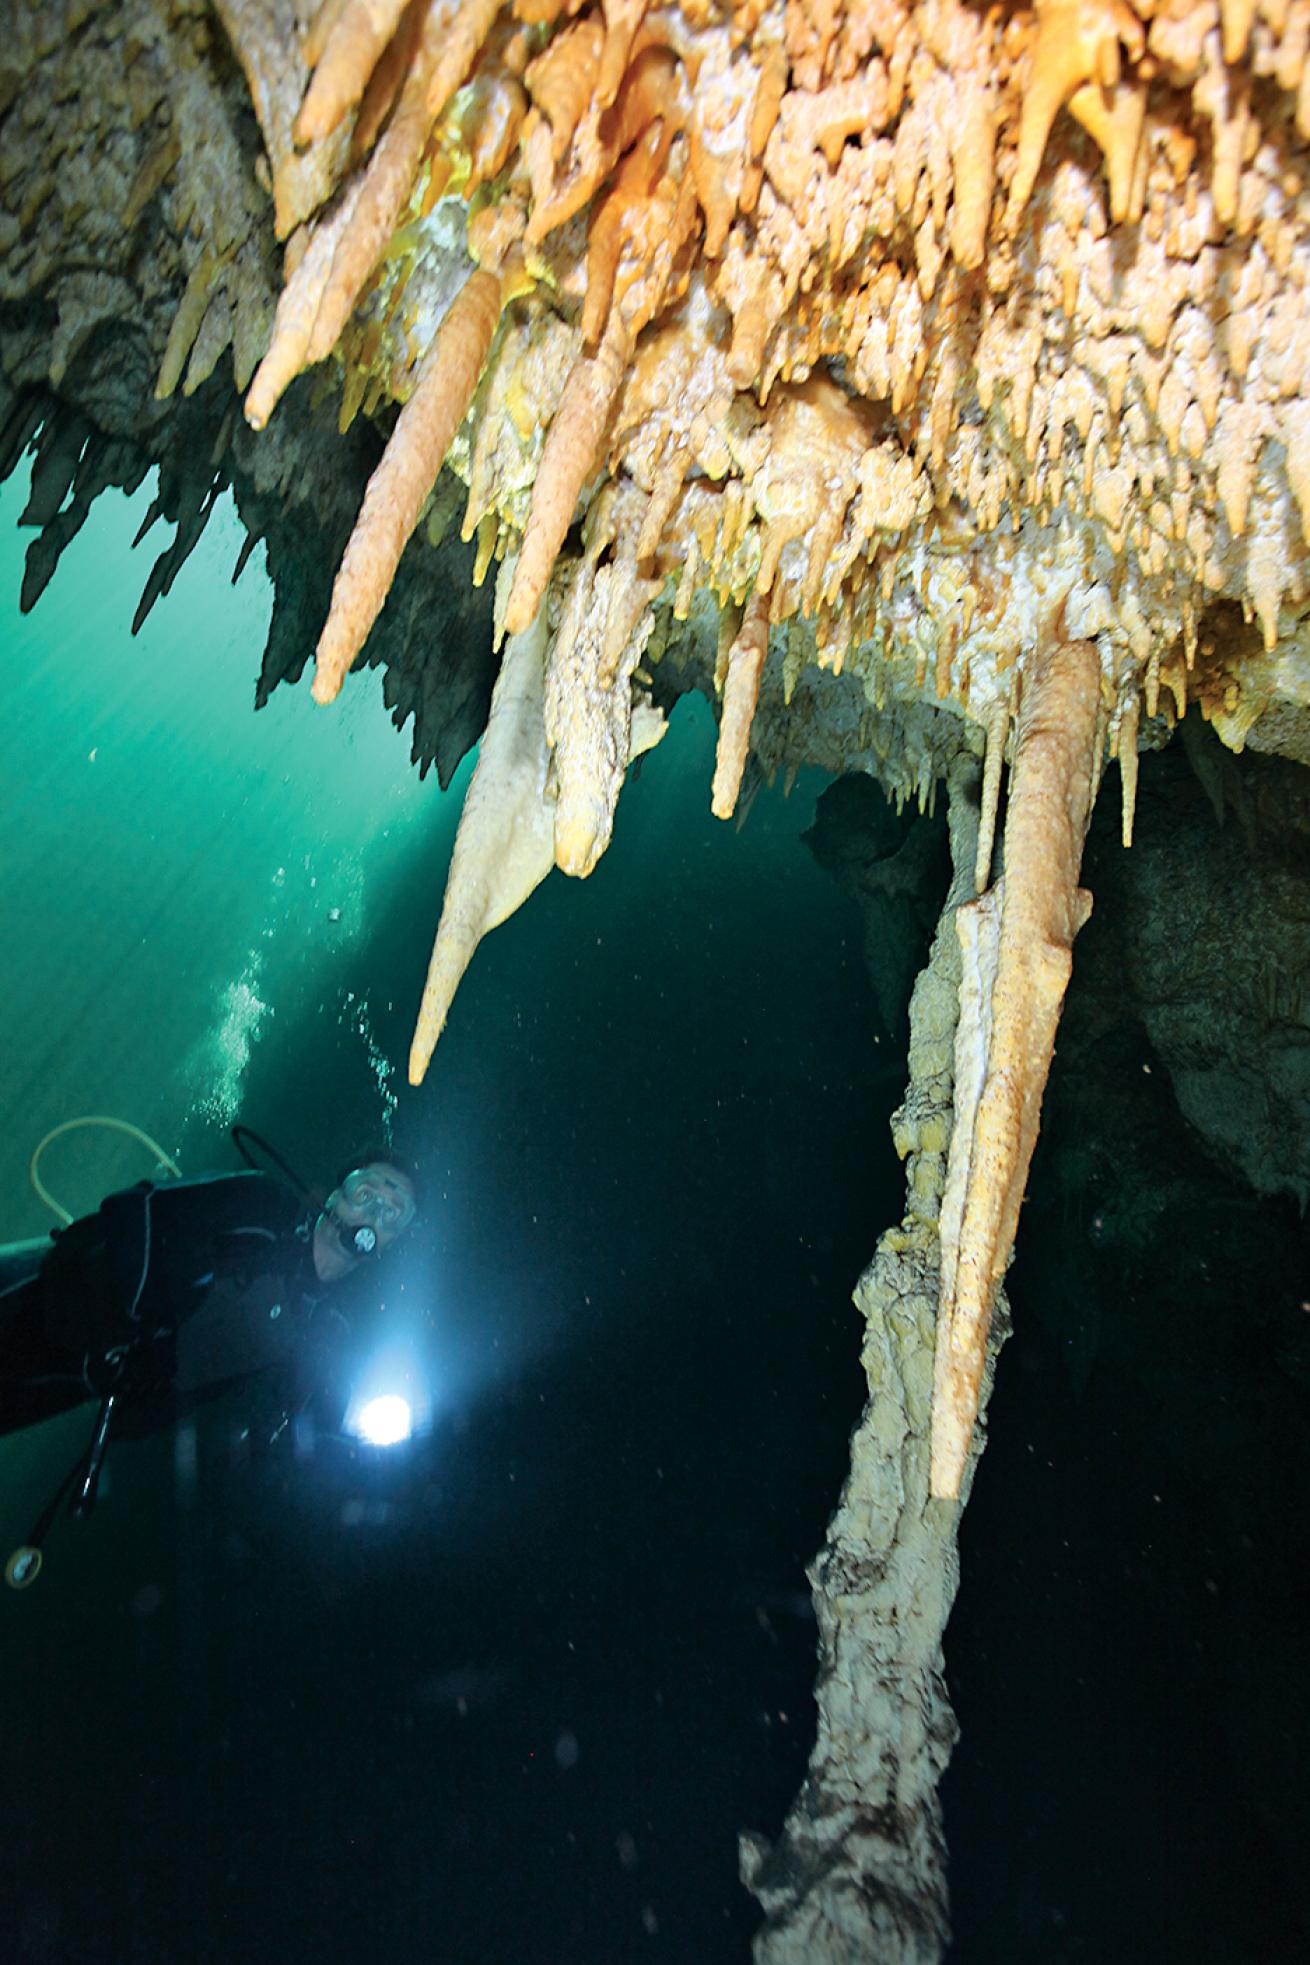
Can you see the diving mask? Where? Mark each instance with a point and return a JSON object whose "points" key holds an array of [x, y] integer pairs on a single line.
{"points": [[383, 1203]]}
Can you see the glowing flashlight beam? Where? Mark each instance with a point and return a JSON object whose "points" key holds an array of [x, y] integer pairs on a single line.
{"points": [[385, 1421]]}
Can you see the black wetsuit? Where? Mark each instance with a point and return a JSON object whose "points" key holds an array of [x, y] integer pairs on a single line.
{"points": [[169, 1295]]}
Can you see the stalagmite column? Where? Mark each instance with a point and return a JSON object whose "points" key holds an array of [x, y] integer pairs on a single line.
{"points": [[858, 1873]]}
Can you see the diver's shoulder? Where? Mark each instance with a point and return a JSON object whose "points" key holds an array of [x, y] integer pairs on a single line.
{"points": [[246, 1200]]}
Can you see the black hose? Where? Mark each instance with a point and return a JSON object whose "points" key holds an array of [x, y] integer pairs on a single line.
{"points": [[242, 1133], [85, 1498]]}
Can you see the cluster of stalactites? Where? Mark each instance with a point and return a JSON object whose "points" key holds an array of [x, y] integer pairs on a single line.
{"points": [[929, 326], [1105, 336]]}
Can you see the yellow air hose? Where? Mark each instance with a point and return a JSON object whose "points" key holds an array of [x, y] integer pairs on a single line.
{"points": [[91, 1119]]}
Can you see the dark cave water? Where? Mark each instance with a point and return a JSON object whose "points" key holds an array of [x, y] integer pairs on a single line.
{"points": [[511, 1695], [507, 1696], [1128, 1654]]}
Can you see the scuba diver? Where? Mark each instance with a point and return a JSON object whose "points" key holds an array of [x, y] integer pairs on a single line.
{"points": [[174, 1292]]}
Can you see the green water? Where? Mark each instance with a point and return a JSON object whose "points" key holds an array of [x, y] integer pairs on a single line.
{"points": [[182, 877]]}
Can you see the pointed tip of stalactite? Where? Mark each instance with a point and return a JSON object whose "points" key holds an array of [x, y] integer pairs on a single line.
{"points": [[420, 1056], [577, 847], [452, 951], [520, 608], [248, 546]]}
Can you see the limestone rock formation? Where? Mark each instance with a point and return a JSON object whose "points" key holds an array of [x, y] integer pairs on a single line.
{"points": [[859, 1871], [923, 382]]}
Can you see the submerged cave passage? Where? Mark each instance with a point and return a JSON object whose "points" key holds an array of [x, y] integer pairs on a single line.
{"points": [[518, 1696]]}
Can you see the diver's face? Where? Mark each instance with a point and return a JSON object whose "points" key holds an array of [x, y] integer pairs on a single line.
{"points": [[375, 1196], [379, 1197]]}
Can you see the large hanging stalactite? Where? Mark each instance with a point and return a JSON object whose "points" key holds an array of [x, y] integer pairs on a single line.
{"points": [[1017, 944]]}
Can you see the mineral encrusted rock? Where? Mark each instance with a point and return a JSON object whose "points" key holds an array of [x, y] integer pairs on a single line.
{"points": [[859, 1872]]}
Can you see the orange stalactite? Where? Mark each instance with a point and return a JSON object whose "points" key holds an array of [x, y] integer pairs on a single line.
{"points": [[384, 189], [408, 470], [650, 90], [1116, 119], [571, 453], [741, 688], [769, 93], [562, 79], [384, 85], [1077, 41], [315, 38], [458, 49], [350, 53], [622, 19], [621, 221], [297, 311]]}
